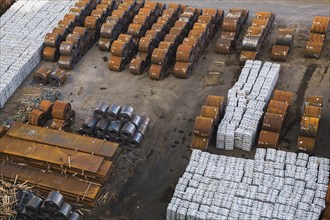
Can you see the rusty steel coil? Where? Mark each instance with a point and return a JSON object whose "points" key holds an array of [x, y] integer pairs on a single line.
{"points": [[141, 19], [108, 30], [211, 12], [46, 107], [166, 45], [306, 144], [163, 21], [313, 50], [41, 75], [71, 17], [145, 44], [187, 18], [52, 40], [228, 35], [175, 7], [85, 5], [215, 101], [265, 15], [309, 126], [201, 27], [155, 35], [190, 10], [284, 37], [37, 117], [283, 96], [315, 37], [210, 112], [194, 33], [314, 101], [247, 55], [205, 19], [172, 38], [79, 12], [82, 31], [57, 78], [59, 124], [320, 24], [230, 24], [92, 22], [116, 63], [258, 22], [254, 31], [143, 56], [113, 20], [74, 38], [152, 5], [182, 69], [191, 41], [119, 48], [277, 107], [66, 62], [156, 72], [33, 205], [159, 27], [177, 31], [106, 7], [137, 66], [251, 43], [51, 54], [66, 24], [119, 13], [125, 38], [280, 53], [272, 122], [181, 24], [224, 46], [185, 53], [99, 13], [61, 110], [312, 111], [68, 48], [60, 31], [268, 139], [199, 142], [235, 14], [136, 30], [105, 44], [203, 126], [159, 56]]}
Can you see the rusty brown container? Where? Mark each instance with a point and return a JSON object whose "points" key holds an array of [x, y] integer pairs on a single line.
{"points": [[312, 111], [277, 107], [137, 66], [210, 112], [51, 54], [59, 124], [61, 110], [199, 142], [37, 117], [185, 53], [47, 107], [156, 72], [247, 55], [182, 70], [272, 122], [283, 96], [203, 126], [313, 50], [223, 46], [314, 101], [280, 53], [268, 139], [116, 63], [306, 144], [309, 126], [41, 75]]}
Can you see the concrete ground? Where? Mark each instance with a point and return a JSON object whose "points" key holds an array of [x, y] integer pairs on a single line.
{"points": [[142, 185]]}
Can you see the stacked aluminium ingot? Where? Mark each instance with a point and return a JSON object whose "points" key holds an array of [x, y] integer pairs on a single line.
{"points": [[309, 123], [317, 37], [274, 118], [189, 51], [209, 118], [143, 21], [282, 47], [232, 27], [255, 35], [81, 39]]}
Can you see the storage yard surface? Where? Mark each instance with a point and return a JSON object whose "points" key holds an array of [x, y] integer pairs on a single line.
{"points": [[144, 179]]}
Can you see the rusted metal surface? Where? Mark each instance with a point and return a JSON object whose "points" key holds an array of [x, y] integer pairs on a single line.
{"points": [[105, 44], [37, 117], [57, 78], [41, 75], [306, 144], [199, 142], [224, 46], [320, 24], [92, 22], [277, 107], [74, 38], [272, 122], [203, 126], [215, 101], [146, 44], [309, 126], [59, 124], [280, 53], [312, 111], [137, 66], [61, 110], [136, 30], [82, 31], [47, 107], [210, 112], [51, 54], [247, 55], [314, 101], [63, 140], [182, 69], [284, 37], [66, 62], [268, 139], [119, 48], [66, 24], [52, 40], [283, 96], [315, 37], [3, 130], [230, 24], [116, 63], [159, 56], [185, 53], [313, 50], [228, 35], [156, 72]]}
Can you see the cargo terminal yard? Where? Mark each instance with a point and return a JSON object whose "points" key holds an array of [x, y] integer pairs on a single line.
{"points": [[164, 109]]}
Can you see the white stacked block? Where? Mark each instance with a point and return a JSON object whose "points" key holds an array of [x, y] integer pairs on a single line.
{"points": [[275, 185], [246, 103], [22, 31]]}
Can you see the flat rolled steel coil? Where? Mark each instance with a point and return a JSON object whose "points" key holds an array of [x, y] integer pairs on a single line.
{"points": [[228, 35], [136, 120], [283, 96], [107, 30], [141, 19], [158, 27], [113, 112], [185, 53], [177, 31], [114, 128], [71, 17], [272, 122], [284, 37], [151, 5], [143, 56], [255, 31], [57, 78], [74, 38], [33, 205], [79, 12], [257, 22], [268, 139], [191, 41], [230, 24], [136, 30], [210, 112], [59, 124], [41, 76], [306, 144], [51, 54], [85, 5], [251, 43], [168, 13], [24, 215], [68, 48], [280, 53], [166, 45], [143, 129], [199, 142], [47, 107], [105, 44], [172, 38], [89, 124], [205, 19], [145, 44], [211, 12], [119, 14], [116, 63], [156, 72], [66, 62], [127, 131], [277, 107], [146, 11], [163, 20], [102, 127], [64, 211], [136, 140], [312, 111], [82, 31], [99, 13], [313, 50], [224, 46], [320, 24], [54, 200], [61, 110], [315, 37], [137, 66], [125, 38], [181, 24], [314, 101], [101, 110], [69, 25], [247, 55], [113, 20], [215, 101], [126, 113], [62, 31], [92, 22], [203, 126], [309, 126], [264, 14], [159, 56], [37, 117], [52, 40]]}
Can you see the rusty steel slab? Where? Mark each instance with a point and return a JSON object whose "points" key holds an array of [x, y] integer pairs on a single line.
{"points": [[63, 139], [52, 155]]}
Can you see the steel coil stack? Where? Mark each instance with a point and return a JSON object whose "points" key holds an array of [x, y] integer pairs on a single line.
{"points": [[44, 75], [273, 120], [188, 53], [232, 27], [317, 36], [123, 51], [309, 124], [116, 123], [255, 35], [209, 118], [283, 44]]}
